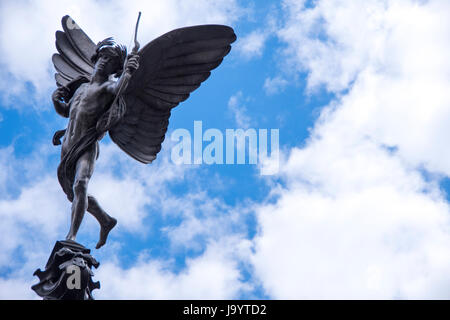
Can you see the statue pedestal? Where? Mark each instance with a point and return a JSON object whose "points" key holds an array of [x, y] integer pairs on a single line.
{"points": [[68, 274]]}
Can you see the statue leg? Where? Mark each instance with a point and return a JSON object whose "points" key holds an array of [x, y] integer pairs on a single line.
{"points": [[106, 221], [83, 173]]}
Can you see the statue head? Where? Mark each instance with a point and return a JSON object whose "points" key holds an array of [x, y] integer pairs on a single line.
{"points": [[109, 57]]}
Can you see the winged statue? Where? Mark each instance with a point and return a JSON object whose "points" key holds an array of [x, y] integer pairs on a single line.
{"points": [[103, 89]]}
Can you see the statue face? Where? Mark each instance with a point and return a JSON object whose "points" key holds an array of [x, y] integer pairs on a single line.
{"points": [[105, 65]]}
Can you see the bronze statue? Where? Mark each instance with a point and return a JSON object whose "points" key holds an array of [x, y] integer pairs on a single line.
{"points": [[102, 89]]}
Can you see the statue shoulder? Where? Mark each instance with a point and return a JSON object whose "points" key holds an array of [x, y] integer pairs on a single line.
{"points": [[110, 85]]}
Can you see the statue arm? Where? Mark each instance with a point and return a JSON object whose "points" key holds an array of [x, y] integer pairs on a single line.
{"points": [[115, 89], [130, 67], [58, 97]]}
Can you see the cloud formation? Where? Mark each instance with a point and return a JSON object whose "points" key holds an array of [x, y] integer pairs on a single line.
{"points": [[213, 275], [354, 215], [356, 218], [252, 44], [29, 27], [275, 85]]}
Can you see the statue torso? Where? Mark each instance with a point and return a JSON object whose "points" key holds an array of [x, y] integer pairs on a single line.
{"points": [[87, 105]]}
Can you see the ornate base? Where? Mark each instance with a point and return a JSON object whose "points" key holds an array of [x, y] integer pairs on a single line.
{"points": [[68, 274]]}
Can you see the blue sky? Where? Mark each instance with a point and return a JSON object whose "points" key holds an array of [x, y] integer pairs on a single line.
{"points": [[358, 209]]}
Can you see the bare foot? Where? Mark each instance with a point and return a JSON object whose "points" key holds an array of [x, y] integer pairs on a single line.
{"points": [[104, 231]]}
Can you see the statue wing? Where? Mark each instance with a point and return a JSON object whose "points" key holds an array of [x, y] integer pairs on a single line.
{"points": [[75, 49], [171, 67]]}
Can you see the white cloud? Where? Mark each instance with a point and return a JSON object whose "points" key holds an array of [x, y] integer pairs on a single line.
{"points": [[30, 28], [30, 203], [353, 223], [16, 289], [31, 223], [7, 166], [275, 85], [203, 219], [252, 44], [356, 220], [395, 53], [213, 275], [236, 105]]}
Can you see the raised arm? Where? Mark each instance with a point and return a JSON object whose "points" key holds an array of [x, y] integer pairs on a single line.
{"points": [[131, 64], [58, 98]]}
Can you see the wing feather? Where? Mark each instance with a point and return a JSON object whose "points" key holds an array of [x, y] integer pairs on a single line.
{"points": [[189, 79], [197, 46], [64, 67], [197, 57], [79, 40], [166, 97], [74, 51], [66, 49], [60, 80], [174, 89]]}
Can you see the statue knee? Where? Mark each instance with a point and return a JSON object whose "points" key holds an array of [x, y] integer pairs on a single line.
{"points": [[80, 186]]}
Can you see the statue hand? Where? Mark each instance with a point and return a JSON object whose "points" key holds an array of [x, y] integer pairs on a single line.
{"points": [[60, 94], [133, 63]]}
